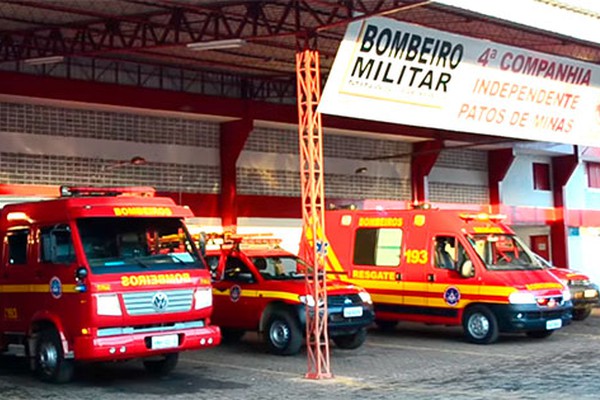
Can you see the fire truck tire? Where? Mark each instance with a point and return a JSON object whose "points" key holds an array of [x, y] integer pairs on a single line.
{"points": [[229, 335], [282, 334], [385, 325], [539, 334], [50, 363], [581, 313], [480, 325], [163, 366], [350, 342]]}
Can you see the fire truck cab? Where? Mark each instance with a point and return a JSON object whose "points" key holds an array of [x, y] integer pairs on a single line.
{"points": [[96, 275], [447, 267], [261, 287]]}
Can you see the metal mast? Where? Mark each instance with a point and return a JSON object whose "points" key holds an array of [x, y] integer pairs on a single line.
{"points": [[312, 175]]}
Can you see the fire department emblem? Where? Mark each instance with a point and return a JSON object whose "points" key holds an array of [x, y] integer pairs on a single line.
{"points": [[55, 287], [235, 293], [160, 301], [452, 296]]}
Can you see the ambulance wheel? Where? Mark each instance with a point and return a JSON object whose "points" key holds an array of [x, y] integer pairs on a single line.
{"points": [[163, 366], [50, 363], [282, 334], [480, 325], [386, 326], [349, 342], [539, 334], [581, 313], [229, 335]]}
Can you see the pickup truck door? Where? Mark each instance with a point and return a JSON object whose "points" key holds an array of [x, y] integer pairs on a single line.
{"points": [[236, 296]]}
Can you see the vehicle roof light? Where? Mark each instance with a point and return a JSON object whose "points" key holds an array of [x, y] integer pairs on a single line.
{"points": [[18, 216], [90, 191], [467, 217], [249, 240]]}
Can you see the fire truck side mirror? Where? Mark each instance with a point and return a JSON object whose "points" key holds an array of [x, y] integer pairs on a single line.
{"points": [[81, 274]]}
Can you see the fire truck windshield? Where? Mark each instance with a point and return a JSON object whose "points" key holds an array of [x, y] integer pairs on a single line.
{"points": [[504, 252], [113, 245], [280, 268]]}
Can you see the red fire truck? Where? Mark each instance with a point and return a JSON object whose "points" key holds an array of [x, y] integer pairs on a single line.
{"points": [[101, 275], [447, 267], [259, 286]]}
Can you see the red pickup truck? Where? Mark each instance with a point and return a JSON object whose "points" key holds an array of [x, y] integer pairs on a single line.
{"points": [[261, 287]]}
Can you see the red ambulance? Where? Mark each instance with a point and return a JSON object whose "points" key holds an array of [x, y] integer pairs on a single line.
{"points": [[101, 275], [447, 267]]}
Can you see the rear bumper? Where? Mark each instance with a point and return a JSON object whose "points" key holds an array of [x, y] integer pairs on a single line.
{"points": [[584, 296], [530, 317], [137, 345]]}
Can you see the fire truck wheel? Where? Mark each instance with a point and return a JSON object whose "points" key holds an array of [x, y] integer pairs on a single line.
{"points": [[480, 325], [283, 336], [539, 334], [386, 326], [229, 335], [349, 342], [581, 313], [162, 366], [50, 363]]}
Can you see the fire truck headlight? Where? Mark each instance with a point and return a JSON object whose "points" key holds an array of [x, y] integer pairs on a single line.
{"points": [[108, 304], [202, 298], [521, 298], [566, 295], [365, 297]]}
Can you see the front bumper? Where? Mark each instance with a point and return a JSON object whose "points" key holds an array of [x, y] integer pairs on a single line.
{"points": [[338, 324], [137, 345], [531, 317]]}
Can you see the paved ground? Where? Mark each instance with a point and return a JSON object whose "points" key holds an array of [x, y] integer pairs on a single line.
{"points": [[414, 362]]}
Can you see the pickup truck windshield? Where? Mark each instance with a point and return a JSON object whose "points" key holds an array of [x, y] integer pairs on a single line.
{"points": [[280, 268], [504, 252], [114, 245]]}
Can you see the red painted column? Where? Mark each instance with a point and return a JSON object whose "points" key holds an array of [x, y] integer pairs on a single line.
{"points": [[499, 161], [232, 140], [423, 158], [562, 169]]}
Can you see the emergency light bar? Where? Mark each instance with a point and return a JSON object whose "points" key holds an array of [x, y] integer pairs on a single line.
{"points": [[82, 191], [467, 217], [249, 239]]}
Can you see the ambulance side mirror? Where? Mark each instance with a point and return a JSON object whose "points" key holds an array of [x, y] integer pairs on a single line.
{"points": [[467, 270]]}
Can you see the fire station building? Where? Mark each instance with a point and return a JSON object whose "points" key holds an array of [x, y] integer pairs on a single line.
{"points": [[422, 102]]}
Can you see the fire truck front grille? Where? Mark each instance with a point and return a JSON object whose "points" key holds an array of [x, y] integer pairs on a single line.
{"points": [[158, 302]]}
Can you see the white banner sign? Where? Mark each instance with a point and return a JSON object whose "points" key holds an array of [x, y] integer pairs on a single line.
{"points": [[390, 71]]}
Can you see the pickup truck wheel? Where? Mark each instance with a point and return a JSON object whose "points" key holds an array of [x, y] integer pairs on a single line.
{"points": [[480, 325], [50, 363], [229, 335], [163, 366], [539, 334], [352, 341], [283, 336], [582, 313]]}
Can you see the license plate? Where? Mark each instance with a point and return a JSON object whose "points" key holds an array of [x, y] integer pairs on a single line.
{"points": [[352, 312], [590, 293], [165, 341], [553, 324]]}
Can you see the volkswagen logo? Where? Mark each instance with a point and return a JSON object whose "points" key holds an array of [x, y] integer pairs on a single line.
{"points": [[160, 301]]}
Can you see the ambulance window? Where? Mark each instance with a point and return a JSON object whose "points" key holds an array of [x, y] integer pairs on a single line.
{"points": [[17, 247], [448, 252], [378, 247], [56, 246]]}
